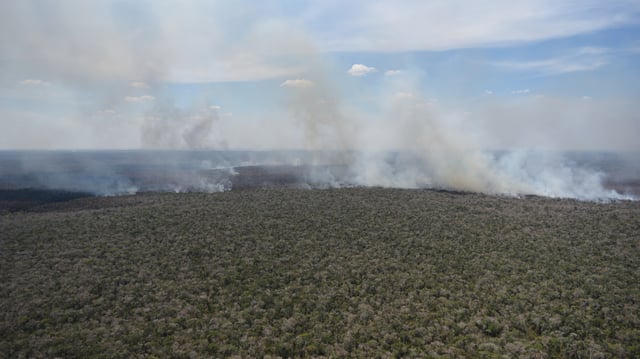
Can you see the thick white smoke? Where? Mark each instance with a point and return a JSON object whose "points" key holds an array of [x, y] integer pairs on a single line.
{"points": [[433, 150], [123, 66], [441, 152]]}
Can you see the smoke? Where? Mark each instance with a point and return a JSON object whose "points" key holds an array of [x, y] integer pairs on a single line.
{"points": [[435, 149], [411, 141], [316, 105], [450, 158], [538, 121], [328, 133], [82, 60], [172, 128], [113, 62], [554, 175], [448, 151]]}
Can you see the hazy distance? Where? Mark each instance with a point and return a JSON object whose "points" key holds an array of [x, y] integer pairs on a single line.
{"points": [[488, 97]]}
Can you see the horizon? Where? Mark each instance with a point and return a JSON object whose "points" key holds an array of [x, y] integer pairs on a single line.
{"points": [[477, 97], [593, 176]]}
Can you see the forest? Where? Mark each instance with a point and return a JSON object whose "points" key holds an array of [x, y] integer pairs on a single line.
{"points": [[333, 273]]}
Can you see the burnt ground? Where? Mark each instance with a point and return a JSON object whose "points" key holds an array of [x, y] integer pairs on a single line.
{"points": [[33, 195], [21, 199]]}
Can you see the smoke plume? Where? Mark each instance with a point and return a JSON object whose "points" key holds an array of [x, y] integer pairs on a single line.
{"points": [[442, 151], [173, 128], [98, 74]]}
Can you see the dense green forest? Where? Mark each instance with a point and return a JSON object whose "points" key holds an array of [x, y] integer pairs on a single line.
{"points": [[321, 273]]}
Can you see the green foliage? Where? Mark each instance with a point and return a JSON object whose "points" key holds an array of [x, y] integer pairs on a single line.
{"points": [[375, 273]]}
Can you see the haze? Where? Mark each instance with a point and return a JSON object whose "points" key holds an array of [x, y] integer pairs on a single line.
{"points": [[513, 74], [456, 83]]}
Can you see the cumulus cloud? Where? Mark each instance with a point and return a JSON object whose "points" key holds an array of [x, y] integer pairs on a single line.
{"points": [[393, 72], [520, 92], [298, 83], [139, 99], [360, 70]]}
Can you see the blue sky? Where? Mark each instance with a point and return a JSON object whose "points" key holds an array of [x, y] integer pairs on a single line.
{"points": [[270, 74]]}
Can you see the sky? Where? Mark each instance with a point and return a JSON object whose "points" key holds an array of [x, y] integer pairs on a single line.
{"points": [[116, 74]]}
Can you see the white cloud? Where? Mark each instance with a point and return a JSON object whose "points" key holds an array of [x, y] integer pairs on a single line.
{"points": [[211, 41], [139, 85], [31, 82], [583, 59], [591, 50], [360, 70], [298, 83], [553, 66], [488, 92], [388, 25], [215, 107], [393, 72], [139, 99], [520, 92]]}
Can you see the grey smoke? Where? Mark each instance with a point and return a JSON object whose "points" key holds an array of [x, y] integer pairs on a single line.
{"points": [[168, 127], [315, 104], [330, 132], [442, 151], [45, 42]]}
